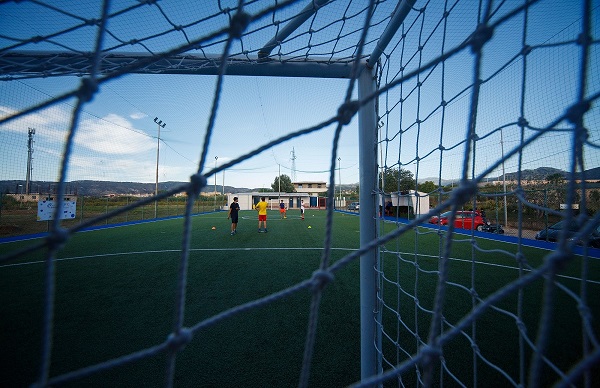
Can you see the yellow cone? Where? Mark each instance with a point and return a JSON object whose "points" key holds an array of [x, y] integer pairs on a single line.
{"points": [[309, 227]]}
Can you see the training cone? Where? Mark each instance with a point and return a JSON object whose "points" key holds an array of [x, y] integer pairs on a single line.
{"points": [[309, 227], [214, 227]]}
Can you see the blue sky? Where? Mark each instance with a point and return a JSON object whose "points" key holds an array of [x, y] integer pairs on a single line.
{"points": [[117, 135]]}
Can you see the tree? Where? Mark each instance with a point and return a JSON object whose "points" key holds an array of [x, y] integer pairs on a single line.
{"points": [[397, 180], [286, 184], [556, 179], [427, 187]]}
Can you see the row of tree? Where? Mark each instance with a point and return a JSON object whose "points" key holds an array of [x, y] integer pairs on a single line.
{"points": [[394, 180]]}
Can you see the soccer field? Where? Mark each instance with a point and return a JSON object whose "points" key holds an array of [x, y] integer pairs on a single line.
{"points": [[116, 290]]}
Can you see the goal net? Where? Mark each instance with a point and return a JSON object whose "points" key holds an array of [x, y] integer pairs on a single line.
{"points": [[487, 111]]}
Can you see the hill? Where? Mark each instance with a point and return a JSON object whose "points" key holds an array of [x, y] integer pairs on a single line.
{"points": [[101, 188]]}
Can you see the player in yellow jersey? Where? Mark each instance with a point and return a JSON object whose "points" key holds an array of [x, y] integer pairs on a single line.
{"points": [[261, 207]]}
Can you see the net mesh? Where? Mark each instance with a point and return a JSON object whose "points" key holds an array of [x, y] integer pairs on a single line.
{"points": [[465, 90]]}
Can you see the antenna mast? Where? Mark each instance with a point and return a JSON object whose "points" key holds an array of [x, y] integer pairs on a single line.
{"points": [[30, 133], [293, 158]]}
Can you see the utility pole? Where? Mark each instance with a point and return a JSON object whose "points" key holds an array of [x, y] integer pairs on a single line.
{"points": [[30, 132], [160, 125]]}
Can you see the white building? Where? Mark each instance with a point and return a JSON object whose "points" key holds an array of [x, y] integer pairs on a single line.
{"points": [[291, 200], [419, 202], [312, 188]]}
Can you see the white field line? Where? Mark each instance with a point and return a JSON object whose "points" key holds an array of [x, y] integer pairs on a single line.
{"points": [[267, 249]]}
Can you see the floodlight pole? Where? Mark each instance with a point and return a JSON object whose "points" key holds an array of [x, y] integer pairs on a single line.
{"points": [[503, 178], [215, 202], [340, 179], [160, 125]]}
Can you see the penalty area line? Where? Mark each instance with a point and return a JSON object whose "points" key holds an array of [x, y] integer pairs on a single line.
{"points": [[106, 255]]}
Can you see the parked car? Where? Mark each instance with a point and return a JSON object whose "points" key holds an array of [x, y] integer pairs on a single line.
{"points": [[354, 206], [462, 220], [553, 233]]}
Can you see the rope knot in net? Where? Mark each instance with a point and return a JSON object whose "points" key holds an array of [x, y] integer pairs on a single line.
{"points": [[347, 111], [584, 39], [521, 326], [522, 122], [519, 192], [430, 355], [238, 24], [177, 341], [558, 259], [57, 238], [482, 34], [473, 292], [464, 192], [575, 113], [526, 50], [584, 311], [87, 89], [197, 183], [320, 279], [92, 22]]}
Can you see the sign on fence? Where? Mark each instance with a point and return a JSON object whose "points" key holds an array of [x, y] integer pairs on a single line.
{"points": [[46, 209], [564, 206]]}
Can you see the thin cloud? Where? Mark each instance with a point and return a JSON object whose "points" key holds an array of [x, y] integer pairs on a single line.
{"points": [[138, 116], [112, 134]]}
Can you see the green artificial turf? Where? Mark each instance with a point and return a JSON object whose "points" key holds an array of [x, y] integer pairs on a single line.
{"points": [[116, 292]]}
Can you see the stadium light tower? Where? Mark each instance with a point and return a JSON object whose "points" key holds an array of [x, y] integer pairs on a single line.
{"points": [[503, 179], [160, 125], [215, 204], [340, 179]]}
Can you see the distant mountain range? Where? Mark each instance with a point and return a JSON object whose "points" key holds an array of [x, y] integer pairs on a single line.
{"points": [[100, 188], [539, 173]]}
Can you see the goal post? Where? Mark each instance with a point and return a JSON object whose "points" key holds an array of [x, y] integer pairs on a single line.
{"points": [[370, 337]]}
